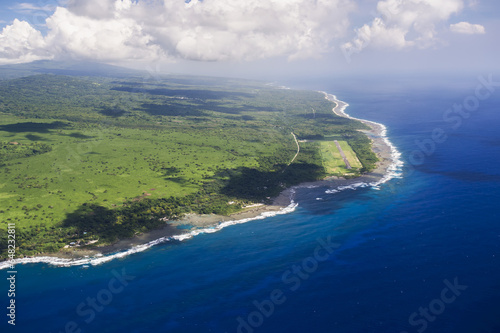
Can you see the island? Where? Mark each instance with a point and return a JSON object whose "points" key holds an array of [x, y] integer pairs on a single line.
{"points": [[99, 161]]}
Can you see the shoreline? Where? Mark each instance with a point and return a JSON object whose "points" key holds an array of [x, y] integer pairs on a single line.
{"points": [[386, 168]]}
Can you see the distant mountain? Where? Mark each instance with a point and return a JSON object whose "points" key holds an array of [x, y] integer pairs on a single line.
{"points": [[71, 68], [94, 69]]}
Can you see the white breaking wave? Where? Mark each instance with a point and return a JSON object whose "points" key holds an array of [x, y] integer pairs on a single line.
{"points": [[100, 259]]}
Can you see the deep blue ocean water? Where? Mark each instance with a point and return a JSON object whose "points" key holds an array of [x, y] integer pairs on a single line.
{"points": [[421, 254]]}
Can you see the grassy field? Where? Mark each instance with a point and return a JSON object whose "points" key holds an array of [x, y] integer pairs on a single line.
{"points": [[333, 162], [108, 167], [108, 157]]}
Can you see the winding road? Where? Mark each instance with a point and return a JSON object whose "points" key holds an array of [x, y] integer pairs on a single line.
{"points": [[298, 150]]}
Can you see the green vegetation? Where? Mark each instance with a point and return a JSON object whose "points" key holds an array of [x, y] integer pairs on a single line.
{"points": [[102, 158], [14, 150]]}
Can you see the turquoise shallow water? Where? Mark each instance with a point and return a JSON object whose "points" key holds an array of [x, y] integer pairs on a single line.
{"points": [[419, 254]]}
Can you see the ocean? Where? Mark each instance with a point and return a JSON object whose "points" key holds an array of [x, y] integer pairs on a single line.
{"points": [[419, 253]]}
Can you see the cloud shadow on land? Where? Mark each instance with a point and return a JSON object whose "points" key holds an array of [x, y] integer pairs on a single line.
{"points": [[186, 93], [33, 127], [252, 184], [96, 220], [108, 224], [171, 109], [33, 137], [77, 135], [198, 108], [114, 112]]}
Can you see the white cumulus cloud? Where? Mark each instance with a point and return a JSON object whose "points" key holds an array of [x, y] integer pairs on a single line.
{"points": [[404, 23], [208, 30], [467, 28], [20, 42], [216, 30], [86, 37], [24, 6]]}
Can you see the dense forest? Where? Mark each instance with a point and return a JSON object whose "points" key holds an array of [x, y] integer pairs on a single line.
{"points": [[103, 157]]}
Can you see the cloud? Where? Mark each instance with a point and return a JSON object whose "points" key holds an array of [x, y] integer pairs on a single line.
{"points": [[248, 30], [26, 7], [467, 28], [95, 9], [222, 30], [401, 24], [84, 37], [208, 30], [20, 42]]}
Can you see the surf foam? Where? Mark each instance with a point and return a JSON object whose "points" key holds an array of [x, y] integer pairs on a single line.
{"points": [[100, 259]]}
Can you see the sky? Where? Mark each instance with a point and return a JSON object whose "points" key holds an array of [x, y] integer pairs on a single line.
{"points": [[255, 38]]}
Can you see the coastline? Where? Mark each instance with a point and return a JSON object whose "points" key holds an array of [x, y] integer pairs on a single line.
{"points": [[387, 168]]}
